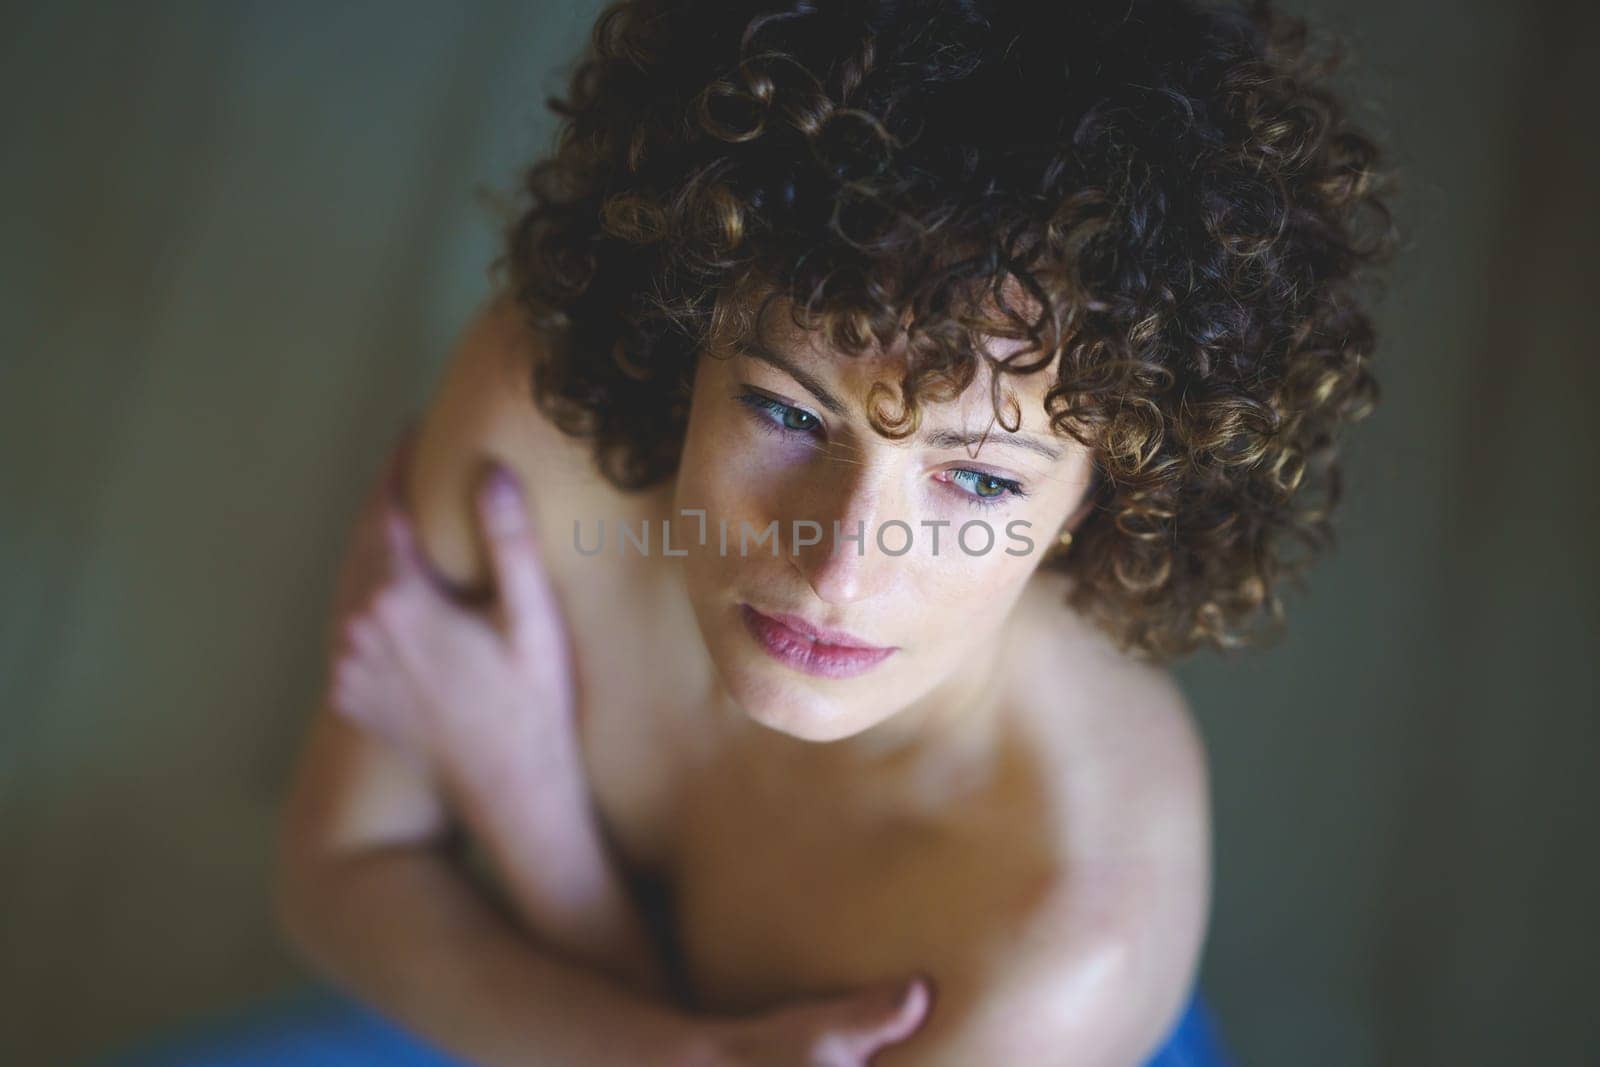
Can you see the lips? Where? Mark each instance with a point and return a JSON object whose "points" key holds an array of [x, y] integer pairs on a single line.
{"points": [[812, 649], [821, 634]]}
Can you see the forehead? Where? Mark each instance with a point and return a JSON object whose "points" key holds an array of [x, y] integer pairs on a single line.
{"points": [[853, 375]]}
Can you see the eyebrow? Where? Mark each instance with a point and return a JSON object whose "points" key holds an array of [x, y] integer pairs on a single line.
{"points": [[941, 438], [950, 438], [811, 382]]}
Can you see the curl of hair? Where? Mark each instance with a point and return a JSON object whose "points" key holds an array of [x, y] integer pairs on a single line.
{"points": [[1164, 197]]}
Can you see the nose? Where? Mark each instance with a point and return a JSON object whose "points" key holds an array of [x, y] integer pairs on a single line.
{"points": [[855, 500]]}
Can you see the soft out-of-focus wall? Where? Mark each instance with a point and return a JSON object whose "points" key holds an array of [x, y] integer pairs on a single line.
{"points": [[238, 241], [1406, 804], [1488, 925]]}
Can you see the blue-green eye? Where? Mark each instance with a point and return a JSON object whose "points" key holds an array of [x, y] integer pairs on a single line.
{"points": [[779, 417], [986, 489]]}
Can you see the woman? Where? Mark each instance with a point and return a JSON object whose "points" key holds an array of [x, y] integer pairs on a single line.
{"points": [[910, 385]]}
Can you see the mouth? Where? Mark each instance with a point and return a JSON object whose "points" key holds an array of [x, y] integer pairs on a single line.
{"points": [[814, 650]]}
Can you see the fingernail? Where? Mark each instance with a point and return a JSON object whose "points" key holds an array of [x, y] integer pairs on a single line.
{"points": [[500, 477], [504, 499], [502, 485]]}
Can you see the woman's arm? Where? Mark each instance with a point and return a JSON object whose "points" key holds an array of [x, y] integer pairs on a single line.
{"points": [[369, 895], [369, 890], [487, 705], [509, 767]]}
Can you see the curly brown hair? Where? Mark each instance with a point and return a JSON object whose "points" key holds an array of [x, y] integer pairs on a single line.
{"points": [[1165, 198]]}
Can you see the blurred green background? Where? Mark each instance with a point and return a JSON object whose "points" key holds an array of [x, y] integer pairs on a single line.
{"points": [[239, 239]]}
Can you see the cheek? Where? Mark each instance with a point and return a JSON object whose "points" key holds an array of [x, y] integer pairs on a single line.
{"points": [[727, 486], [974, 592], [701, 472], [738, 474], [721, 478]]}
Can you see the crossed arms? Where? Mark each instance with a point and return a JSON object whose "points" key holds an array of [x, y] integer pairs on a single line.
{"points": [[372, 897]]}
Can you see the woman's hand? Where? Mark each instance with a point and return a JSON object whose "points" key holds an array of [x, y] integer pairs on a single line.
{"points": [[485, 700], [473, 694], [843, 1031]]}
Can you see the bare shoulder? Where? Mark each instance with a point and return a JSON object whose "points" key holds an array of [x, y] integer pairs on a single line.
{"points": [[1120, 733], [482, 409], [1105, 953], [1133, 801]]}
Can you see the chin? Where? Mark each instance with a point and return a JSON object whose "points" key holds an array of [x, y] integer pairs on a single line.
{"points": [[771, 696], [801, 727]]}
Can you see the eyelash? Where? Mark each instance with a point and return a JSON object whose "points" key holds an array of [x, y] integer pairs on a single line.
{"points": [[760, 403]]}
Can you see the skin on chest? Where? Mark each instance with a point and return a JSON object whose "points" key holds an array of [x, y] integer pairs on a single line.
{"points": [[777, 871], [632, 683], [769, 908], [780, 884]]}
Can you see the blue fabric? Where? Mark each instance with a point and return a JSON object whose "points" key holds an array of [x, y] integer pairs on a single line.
{"points": [[1194, 1041], [316, 1027], [322, 1028]]}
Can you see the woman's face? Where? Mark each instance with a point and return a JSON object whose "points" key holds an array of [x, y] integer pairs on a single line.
{"points": [[779, 454]]}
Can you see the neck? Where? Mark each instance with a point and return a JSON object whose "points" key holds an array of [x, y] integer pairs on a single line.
{"points": [[956, 716], [915, 762]]}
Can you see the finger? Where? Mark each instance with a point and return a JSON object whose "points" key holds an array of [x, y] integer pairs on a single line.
{"points": [[400, 536], [352, 636], [519, 575], [394, 475], [910, 1014], [353, 691], [370, 682], [363, 562], [366, 652], [360, 698], [387, 488], [882, 1017]]}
